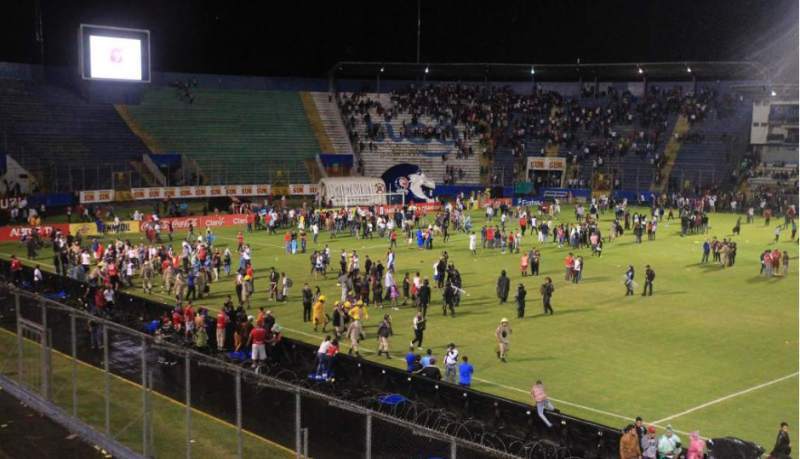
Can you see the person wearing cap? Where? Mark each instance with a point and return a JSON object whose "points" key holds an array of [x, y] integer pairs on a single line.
{"points": [[521, 293], [319, 314], [354, 332], [503, 335], [629, 444], [649, 444], [669, 445]]}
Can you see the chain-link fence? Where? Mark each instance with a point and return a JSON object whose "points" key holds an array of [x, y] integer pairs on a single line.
{"points": [[161, 399]]}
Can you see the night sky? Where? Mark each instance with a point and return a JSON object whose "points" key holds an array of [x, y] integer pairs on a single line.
{"points": [[295, 38]]}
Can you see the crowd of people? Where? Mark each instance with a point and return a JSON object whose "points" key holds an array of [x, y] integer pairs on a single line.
{"points": [[188, 273]]}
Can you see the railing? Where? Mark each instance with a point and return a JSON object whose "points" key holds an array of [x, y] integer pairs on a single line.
{"points": [[153, 168], [145, 395]]}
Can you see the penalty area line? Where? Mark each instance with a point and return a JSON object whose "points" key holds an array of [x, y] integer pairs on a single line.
{"points": [[728, 397]]}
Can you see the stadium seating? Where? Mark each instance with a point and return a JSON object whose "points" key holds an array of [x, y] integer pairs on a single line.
{"points": [[711, 157], [66, 142], [234, 136], [394, 148]]}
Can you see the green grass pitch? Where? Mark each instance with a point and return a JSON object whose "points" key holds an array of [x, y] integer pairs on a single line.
{"points": [[714, 350]]}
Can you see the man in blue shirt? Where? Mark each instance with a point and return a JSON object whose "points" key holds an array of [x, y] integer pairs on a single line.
{"points": [[465, 371], [410, 357], [426, 359], [706, 250]]}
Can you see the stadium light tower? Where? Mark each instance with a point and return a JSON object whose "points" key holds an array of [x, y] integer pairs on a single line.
{"points": [[419, 27], [533, 80]]}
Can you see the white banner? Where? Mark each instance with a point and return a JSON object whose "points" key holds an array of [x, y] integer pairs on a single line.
{"points": [[543, 163], [88, 197], [210, 191]]}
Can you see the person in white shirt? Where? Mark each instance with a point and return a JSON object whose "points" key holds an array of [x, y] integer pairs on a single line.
{"points": [[451, 364], [473, 244], [38, 279]]}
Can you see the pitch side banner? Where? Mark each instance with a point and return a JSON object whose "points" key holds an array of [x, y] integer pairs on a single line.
{"points": [[210, 221], [15, 233], [214, 191], [90, 229]]}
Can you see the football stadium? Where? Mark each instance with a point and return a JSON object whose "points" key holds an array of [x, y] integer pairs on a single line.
{"points": [[404, 230]]}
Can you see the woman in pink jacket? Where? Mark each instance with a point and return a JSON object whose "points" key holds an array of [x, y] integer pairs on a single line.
{"points": [[697, 446]]}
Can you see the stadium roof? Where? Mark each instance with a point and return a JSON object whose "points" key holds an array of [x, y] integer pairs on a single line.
{"points": [[664, 71]]}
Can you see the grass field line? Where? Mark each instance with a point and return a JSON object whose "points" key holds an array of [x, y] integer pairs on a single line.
{"points": [[728, 397], [158, 394]]}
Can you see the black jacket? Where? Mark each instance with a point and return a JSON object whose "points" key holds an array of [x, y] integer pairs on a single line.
{"points": [[425, 294]]}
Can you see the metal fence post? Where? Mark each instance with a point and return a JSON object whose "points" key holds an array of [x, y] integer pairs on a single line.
{"points": [[239, 414], [145, 427], [368, 444], [305, 442], [149, 413], [107, 392], [297, 424], [453, 448], [74, 349], [20, 343], [45, 346], [188, 384]]}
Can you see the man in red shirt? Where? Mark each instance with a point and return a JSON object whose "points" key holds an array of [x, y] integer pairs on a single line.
{"points": [[222, 322], [16, 270], [258, 337], [240, 240], [569, 264], [188, 318]]}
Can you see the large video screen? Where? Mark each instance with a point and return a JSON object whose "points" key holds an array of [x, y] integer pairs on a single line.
{"points": [[113, 57], [112, 53]]}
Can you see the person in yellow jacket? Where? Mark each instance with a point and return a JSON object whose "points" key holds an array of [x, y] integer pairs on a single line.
{"points": [[359, 311], [318, 314]]}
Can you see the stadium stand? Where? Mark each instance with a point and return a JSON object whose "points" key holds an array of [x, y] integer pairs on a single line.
{"points": [[386, 129], [332, 122], [235, 136], [65, 141]]}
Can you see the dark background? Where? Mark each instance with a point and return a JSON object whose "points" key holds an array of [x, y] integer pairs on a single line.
{"points": [[301, 38]]}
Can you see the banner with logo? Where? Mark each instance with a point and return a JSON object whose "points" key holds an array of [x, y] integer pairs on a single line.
{"points": [[90, 229], [15, 233], [544, 163], [90, 197], [202, 222], [209, 191]]}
